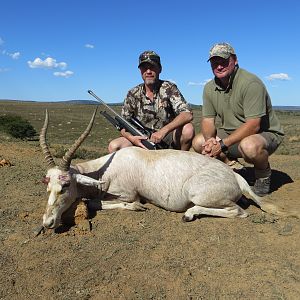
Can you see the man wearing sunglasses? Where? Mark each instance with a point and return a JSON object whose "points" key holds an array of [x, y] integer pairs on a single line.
{"points": [[159, 106], [249, 128]]}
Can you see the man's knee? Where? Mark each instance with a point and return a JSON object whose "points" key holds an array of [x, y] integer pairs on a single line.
{"points": [[188, 132], [113, 146], [118, 144], [183, 136], [252, 145], [198, 141]]}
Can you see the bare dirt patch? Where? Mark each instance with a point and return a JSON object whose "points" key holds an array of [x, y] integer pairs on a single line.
{"points": [[144, 255]]}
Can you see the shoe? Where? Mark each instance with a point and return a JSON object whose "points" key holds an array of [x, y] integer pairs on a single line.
{"points": [[262, 186]]}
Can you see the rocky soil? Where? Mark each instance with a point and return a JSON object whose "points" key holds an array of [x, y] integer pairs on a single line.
{"points": [[144, 255]]}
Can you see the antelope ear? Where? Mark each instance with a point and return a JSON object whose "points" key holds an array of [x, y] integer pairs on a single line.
{"points": [[45, 180], [88, 181]]}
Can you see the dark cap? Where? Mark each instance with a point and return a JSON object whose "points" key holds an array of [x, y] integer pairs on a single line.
{"points": [[149, 57]]}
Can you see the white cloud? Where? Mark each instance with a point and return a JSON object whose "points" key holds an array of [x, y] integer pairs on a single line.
{"points": [[89, 46], [4, 70], [279, 76], [199, 83], [65, 74], [48, 63], [15, 55]]}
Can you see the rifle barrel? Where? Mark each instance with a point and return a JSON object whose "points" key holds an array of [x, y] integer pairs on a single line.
{"points": [[116, 114], [102, 102], [119, 122]]}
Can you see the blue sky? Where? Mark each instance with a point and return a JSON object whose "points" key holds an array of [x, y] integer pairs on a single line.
{"points": [[57, 50]]}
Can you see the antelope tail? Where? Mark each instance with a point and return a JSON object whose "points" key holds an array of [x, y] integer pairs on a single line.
{"points": [[265, 206]]}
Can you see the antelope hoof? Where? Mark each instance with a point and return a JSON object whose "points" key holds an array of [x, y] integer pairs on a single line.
{"points": [[187, 219], [139, 206]]}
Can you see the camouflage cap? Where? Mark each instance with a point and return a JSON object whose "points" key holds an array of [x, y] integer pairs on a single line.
{"points": [[149, 57], [223, 50]]}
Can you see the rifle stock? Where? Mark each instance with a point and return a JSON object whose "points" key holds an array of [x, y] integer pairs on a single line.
{"points": [[109, 118], [148, 144]]}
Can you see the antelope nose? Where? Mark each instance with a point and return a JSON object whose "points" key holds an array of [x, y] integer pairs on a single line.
{"points": [[49, 223]]}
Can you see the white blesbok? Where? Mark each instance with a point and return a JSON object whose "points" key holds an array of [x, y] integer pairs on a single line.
{"points": [[174, 180]]}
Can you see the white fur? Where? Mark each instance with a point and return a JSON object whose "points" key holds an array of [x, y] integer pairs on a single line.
{"points": [[175, 180]]}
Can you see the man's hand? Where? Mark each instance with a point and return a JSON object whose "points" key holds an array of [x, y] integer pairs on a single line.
{"points": [[208, 146], [137, 140], [216, 149], [158, 136]]}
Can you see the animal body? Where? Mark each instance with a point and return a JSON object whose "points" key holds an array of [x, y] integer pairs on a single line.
{"points": [[174, 180]]}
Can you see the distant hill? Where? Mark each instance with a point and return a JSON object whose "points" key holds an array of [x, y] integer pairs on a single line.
{"points": [[194, 106], [80, 102], [65, 101], [290, 108]]}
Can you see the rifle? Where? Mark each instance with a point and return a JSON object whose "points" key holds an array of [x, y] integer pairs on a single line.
{"points": [[121, 123]]}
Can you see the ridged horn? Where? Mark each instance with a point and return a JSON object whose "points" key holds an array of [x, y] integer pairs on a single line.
{"points": [[66, 160], [43, 143]]}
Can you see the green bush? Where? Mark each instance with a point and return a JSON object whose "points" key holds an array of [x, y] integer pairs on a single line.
{"points": [[81, 153], [17, 127]]}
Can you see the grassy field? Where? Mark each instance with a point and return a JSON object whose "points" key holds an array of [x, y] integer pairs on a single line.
{"points": [[140, 255], [67, 121]]}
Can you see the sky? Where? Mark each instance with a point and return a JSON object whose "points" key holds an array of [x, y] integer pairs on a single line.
{"points": [[57, 50]]}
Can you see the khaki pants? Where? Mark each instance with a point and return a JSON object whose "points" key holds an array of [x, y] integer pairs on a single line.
{"points": [[273, 141]]}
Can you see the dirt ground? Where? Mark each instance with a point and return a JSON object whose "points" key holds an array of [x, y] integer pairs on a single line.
{"points": [[144, 255]]}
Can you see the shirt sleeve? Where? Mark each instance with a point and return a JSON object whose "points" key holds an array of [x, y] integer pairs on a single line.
{"points": [[128, 106], [177, 100], [255, 104]]}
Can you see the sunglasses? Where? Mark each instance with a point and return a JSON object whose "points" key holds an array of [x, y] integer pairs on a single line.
{"points": [[149, 57]]}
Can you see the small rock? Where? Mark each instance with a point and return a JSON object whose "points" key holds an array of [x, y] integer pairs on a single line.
{"points": [[286, 230]]}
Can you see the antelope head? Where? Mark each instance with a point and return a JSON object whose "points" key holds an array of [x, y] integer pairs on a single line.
{"points": [[61, 180]]}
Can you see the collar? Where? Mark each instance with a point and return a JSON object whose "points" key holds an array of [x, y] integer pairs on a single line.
{"points": [[156, 86]]}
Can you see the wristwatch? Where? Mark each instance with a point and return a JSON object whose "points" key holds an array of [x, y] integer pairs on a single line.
{"points": [[224, 148]]}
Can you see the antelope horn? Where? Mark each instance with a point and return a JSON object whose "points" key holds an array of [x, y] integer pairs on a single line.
{"points": [[43, 143], [66, 160]]}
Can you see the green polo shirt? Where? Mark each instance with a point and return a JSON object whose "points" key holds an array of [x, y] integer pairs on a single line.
{"points": [[246, 98]]}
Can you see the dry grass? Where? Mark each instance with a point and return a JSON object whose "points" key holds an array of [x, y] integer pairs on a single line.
{"points": [[67, 121]]}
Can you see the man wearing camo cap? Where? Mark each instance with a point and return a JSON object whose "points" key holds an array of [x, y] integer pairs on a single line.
{"points": [[249, 128], [158, 105]]}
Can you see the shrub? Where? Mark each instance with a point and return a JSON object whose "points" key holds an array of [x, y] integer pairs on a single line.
{"points": [[81, 153], [17, 127]]}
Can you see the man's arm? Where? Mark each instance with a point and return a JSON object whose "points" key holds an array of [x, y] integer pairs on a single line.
{"points": [[208, 128], [181, 109], [250, 127], [179, 121], [254, 106], [209, 132], [136, 140], [128, 109]]}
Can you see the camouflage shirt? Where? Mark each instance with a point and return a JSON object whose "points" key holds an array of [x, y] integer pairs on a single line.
{"points": [[167, 103]]}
